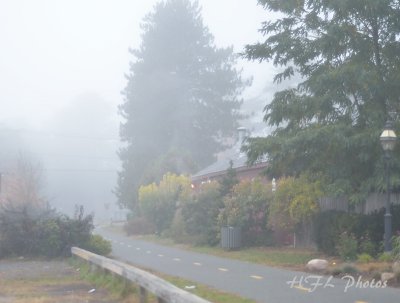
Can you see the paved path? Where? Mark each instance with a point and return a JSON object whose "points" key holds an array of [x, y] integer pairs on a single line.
{"points": [[257, 282]]}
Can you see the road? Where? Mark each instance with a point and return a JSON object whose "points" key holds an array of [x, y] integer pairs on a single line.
{"points": [[261, 283]]}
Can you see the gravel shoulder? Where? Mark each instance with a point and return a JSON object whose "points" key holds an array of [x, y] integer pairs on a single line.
{"points": [[40, 281]]}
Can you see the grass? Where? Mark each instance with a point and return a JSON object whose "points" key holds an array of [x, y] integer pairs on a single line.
{"points": [[119, 289], [127, 292], [286, 257], [206, 292], [282, 257], [43, 290], [45, 281]]}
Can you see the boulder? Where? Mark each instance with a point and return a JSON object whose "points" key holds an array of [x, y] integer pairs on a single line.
{"points": [[385, 276], [396, 267], [317, 264]]}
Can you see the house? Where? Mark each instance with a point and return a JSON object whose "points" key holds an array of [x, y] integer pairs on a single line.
{"points": [[218, 169]]}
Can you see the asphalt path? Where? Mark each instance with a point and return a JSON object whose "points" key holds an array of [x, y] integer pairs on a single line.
{"points": [[260, 283]]}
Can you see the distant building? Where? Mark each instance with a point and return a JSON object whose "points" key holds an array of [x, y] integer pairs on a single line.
{"points": [[218, 169]]}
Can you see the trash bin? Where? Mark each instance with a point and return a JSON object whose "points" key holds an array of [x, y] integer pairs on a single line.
{"points": [[231, 237]]}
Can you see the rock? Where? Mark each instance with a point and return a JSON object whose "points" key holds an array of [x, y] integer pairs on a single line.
{"points": [[385, 276], [396, 267], [317, 264]]}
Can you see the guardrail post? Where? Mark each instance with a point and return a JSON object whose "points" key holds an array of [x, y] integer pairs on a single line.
{"points": [[142, 295], [93, 267]]}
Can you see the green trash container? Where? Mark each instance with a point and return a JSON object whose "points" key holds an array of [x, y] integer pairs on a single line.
{"points": [[231, 237]]}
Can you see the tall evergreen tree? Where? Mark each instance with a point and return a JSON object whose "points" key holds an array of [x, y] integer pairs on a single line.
{"points": [[181, 99], [348, 56]]}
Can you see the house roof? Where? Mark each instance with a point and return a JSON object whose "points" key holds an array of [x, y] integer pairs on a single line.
{"points": [[234, 154]]}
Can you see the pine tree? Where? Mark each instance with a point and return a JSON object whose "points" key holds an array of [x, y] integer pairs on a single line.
{"points": [[181, 99]]}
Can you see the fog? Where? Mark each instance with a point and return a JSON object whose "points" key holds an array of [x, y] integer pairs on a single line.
{"points": [[61, 73]]}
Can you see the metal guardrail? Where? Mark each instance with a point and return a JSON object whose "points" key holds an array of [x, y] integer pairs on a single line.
{"points": [[163, 290]]}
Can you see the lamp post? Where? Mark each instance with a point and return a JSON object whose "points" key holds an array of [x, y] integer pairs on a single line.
{"points": [[388, 142]]}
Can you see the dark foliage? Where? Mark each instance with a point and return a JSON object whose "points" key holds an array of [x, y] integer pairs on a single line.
{"points": [[229, 180], [200, 215], [344, 55], [29, 231], [367, 229]]}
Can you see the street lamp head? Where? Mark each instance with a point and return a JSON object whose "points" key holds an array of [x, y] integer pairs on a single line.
{"points": [[388, 137]]}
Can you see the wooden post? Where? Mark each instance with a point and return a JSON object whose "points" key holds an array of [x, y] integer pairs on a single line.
{"points": [[294, 240], [160, 300], [93, 268], [142, 295]]}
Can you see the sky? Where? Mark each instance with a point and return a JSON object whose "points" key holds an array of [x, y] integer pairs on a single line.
{"points": [[55, 50], [62, 69]]}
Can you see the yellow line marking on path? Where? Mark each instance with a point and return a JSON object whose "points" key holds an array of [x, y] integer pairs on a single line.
{"points": [[148, 252], [160, 255], [176, 259], [197, 263], [360, 302], [303, 288], [222, 269], [137, 248], [256, 277]]}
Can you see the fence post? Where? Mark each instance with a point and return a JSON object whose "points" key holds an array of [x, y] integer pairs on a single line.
{"points": [[92, 267], [142, 295]]}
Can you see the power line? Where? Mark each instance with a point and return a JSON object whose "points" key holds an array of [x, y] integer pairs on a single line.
{"points": [[72, 170], [56, 155], [58, 135]]}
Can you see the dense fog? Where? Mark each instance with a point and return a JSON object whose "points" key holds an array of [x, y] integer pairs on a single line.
{"points": [[63, 68]]}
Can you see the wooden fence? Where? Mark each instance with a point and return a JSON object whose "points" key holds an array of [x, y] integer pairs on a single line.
{"points": [[163, 290]]}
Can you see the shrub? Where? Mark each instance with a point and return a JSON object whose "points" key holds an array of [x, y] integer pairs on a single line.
{"points": [[98, 245], [200, 214], [48, 238], [177, 230], [247, 207], [75, 231], [29, 231], [396, 247], [329, 225], [347, 247], [385, 257], [364, 258], [158, 202], [295, 202], [367, 246]]}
